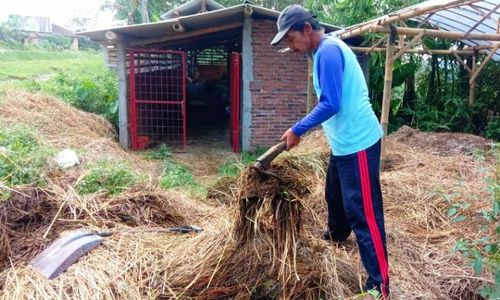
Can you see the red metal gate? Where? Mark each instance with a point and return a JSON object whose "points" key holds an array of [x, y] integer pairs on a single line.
{"points": [[157, 97], [234, 105]]}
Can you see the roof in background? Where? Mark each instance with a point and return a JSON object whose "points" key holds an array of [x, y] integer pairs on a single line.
{"points": [[476, 16], [194, 22]]}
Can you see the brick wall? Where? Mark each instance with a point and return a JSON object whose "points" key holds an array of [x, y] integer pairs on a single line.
{"points": [[278, 89]]}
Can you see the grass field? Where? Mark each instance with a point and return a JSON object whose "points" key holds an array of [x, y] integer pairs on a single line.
{"points": [[25, 64]]}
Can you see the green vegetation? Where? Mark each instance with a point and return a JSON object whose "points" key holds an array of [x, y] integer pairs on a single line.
{"points": [[484, 252], [94, 90], [163, 152], [23, 158], [233, 166], [493, 129], [178, 176], [79, 78], [33, 63], [175, 174], [109, 177]]}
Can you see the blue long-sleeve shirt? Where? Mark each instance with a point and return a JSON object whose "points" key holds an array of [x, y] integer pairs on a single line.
{"points": [[344, 109], [330, 68]]}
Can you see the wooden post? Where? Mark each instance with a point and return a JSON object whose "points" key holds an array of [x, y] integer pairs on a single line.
{"points": [[386, 102], [472, 83], [309, 85]]}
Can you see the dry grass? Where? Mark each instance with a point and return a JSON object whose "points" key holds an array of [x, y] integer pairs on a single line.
{"points": [[264, 242], [63, 126]]}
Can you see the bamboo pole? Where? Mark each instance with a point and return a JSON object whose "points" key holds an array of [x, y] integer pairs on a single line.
{"points": [[472, 84], [462, 62], [418, 51], [386, 102], [438, 33], [377, 44], [479, 47], [485, 61], [364, 27], [405, 48], [424, 21], [401, 40], [310, 103]]}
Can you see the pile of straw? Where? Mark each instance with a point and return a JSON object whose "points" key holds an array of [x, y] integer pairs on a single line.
{"points": [[260, 239], [62, 126]]}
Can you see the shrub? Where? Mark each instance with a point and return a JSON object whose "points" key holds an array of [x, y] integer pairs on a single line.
{"points": [[95, 92]]}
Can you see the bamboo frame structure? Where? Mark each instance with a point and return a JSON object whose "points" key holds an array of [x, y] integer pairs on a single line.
{"points": [[395, 50], [420, 51], [364, 27], [460, 60], [485, 61], [437, 33], [405, 48]]}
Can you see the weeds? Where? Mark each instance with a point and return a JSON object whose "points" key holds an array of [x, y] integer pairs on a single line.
{"points": [[109, 177], [163, 152], [95, 92], [23, 158], [177, 175], [485, 251], [233, 166]]}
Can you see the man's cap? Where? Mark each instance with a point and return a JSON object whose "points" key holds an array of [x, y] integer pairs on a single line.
{"points": [[291, 15]]}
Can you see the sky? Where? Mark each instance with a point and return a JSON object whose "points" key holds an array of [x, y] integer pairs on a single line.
{"points": [[60, 11]]}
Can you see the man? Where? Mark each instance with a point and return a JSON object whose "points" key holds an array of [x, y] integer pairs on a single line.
{"points": [[352, 187]]}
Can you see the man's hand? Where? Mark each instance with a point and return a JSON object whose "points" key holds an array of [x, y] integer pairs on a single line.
{"points": [[291, 139]]}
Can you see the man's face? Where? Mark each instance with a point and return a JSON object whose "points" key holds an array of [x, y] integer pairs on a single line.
{"points": [[299, 41]]}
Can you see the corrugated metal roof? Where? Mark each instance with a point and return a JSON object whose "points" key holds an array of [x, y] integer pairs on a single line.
{"points": [[190, 23], [461, 16]]}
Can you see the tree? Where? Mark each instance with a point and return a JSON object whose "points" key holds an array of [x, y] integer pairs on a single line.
{"points": [[133, 10]]}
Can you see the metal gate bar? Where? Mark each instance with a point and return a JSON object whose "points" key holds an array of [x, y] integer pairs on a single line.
{"points": [[157, 97], [235, 102]]}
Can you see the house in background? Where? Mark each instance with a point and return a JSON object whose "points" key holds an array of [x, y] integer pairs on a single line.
{"points": [[206, 72], [38, 27]]}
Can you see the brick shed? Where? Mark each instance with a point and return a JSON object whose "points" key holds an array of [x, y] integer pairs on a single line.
{"points": [[206, 71]]}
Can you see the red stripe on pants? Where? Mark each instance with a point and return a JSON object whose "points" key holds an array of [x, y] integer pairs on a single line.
{"points": [[370, 218]]}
